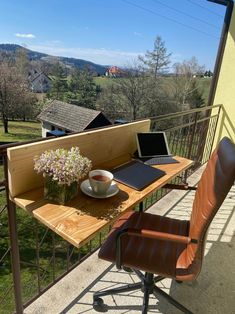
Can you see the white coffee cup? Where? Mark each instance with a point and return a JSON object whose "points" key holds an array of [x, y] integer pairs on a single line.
{"points": [[100, 181]]}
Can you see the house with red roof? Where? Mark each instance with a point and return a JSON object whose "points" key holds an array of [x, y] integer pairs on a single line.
{"points": [[114, 71]]}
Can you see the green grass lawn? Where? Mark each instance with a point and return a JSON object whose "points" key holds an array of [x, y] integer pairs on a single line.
{"points": [[19, 131], [103, 81]]}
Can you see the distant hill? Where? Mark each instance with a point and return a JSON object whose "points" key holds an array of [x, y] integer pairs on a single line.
{"points": [[70, 62]]}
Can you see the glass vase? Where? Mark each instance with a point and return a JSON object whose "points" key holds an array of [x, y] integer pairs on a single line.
{"points": [[59, 193]]}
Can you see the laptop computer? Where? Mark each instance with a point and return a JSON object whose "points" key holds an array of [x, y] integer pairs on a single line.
{"points": [[153, 148]]}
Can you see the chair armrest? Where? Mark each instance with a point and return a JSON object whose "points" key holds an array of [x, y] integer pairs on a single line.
{"points": [[158, 235], [151, 234]]}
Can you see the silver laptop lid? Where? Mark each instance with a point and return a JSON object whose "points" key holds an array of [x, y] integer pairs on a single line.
{"points": [[152, 144]]}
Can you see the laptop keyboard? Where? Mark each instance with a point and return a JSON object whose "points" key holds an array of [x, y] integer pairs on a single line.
{"points": [[160, 161]]}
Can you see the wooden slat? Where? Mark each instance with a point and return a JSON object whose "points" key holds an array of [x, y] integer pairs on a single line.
{"points": [[103, 145], [83, 217]]}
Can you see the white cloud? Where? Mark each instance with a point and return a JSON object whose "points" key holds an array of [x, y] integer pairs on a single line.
{"points": [[138, 34], [25, 35], [97, 55]]}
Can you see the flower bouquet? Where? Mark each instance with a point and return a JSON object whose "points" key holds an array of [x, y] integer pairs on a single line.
{"points": [[62, 169]]}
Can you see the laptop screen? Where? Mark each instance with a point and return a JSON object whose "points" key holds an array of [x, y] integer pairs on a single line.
{"points": [[152, 144]]}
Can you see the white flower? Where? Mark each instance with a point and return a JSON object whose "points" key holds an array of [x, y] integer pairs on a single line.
{"points": [[64, 166]]}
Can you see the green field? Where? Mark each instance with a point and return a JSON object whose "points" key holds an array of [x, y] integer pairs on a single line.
{"points": [[103, 81], [204, 84], [20, 131]]}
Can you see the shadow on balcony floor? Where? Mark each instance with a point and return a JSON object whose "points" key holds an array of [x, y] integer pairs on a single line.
{"points": [[212, 292]]}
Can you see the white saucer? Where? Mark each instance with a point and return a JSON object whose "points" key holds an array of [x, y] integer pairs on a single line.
{"points": [[86, 188]]}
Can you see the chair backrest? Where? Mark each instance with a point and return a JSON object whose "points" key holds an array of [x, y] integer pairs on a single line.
{"points": [[213, 187]]}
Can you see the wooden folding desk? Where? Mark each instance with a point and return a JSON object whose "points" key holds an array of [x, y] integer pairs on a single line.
{"points": [[79, 220]]}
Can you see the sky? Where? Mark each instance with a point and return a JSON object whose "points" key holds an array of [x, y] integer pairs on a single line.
{"points": [[114, 32]]}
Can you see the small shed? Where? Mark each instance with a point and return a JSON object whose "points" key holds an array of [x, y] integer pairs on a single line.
{"points": [[59, 115]]}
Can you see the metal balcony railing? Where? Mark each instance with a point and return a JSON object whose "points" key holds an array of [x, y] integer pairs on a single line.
{"points": [[44, 257]]}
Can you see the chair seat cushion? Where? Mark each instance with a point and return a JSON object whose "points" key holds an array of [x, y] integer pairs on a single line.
{"points": [[151, 255]]}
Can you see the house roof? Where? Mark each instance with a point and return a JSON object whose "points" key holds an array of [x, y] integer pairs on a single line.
{"points": [[33, 77], [67, 116], [114, 70]]}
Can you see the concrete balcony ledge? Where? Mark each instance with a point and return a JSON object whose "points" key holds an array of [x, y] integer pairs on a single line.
{"points": [[213, 291]]}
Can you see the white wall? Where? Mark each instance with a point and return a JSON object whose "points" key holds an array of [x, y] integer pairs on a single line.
{"points": [[46, 127], [225, 92]]}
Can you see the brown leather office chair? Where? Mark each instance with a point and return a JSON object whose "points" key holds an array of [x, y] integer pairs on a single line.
{"points": [[165, 246]]}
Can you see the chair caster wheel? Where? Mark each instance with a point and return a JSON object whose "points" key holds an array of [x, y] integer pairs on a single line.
{"points": [[98, 304], [127, 269]]}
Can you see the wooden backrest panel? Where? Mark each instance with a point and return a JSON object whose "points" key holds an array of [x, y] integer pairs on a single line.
{"points": [[100, 146]]}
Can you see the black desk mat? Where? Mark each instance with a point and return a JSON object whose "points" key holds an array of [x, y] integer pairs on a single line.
{"points": [[136, 174]]}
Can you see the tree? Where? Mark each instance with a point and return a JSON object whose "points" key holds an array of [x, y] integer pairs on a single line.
{"points": [[208, 73], [29, 108], [82, 89], [14, 93], [158, 59], [133, 90], [59, 83], [126, 96], [195, 96], [137, 95], [185, 83], [109, 103], [22, 62]]}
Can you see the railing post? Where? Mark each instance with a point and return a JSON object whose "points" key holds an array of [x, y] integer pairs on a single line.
{"points": [[192, 136], [15, 255], [191, 143], [213, 136]]}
